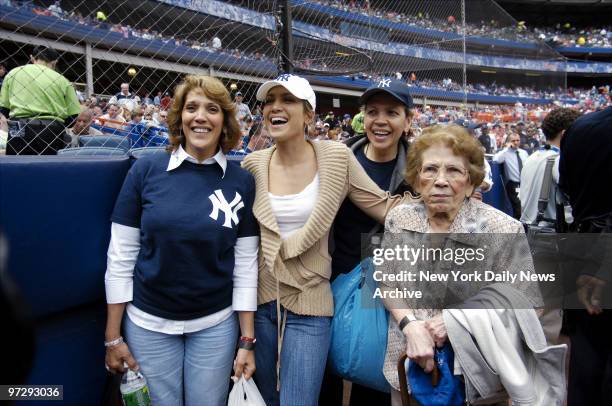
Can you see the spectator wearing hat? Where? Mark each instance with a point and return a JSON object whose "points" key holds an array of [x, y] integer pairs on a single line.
{"points": [[324, 132], [40, 103], [332, 120], [347, 128], [485, 139], [299, 186], [381, 151]]}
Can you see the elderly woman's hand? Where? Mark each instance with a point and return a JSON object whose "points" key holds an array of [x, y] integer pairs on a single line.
{"points": [[437, 330], [419, 345]]}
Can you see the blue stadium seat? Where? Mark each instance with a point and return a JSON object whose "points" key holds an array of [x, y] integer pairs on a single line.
{"points": [[109, 141], [92, 151], [237, 158], [139, 152]]}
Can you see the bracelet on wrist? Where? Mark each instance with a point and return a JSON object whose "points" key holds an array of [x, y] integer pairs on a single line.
{"points": [[246, 344], [114, 342], [250, 339], [405, 321]]}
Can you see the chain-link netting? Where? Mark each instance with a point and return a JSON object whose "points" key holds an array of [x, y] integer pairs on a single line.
{"points": [[464, 47], [124, 59]]}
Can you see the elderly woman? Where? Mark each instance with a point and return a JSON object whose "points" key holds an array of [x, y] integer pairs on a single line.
{"points": [[444, 166], [181, 279]]}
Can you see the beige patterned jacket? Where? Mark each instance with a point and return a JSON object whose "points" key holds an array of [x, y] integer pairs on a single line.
{"points": [[506, 252]]}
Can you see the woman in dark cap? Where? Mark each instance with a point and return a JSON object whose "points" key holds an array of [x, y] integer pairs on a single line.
{"points": [[381, 151]]}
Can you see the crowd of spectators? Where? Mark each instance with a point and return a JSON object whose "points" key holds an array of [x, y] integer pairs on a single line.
{"points": [[492, 125], [145, 109], [100, 20], [563, 34], [215, 44]]}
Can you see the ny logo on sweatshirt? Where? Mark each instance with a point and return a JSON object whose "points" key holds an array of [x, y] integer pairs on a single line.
{"points": [[230, 210]]}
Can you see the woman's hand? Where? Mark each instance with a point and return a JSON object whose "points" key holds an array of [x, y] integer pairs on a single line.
{"points": [[437, 330], [116, 356], [419, 345], [244, 364]]}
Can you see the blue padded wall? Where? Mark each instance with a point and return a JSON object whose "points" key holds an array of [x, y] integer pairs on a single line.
{"points": [[55, 212]]}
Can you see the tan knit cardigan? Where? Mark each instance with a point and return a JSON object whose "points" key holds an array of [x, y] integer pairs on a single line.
{"points": [[301, 263]]}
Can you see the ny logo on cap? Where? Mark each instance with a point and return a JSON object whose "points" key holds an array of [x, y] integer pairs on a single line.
{"points": [[284, 77], [384, 83]]}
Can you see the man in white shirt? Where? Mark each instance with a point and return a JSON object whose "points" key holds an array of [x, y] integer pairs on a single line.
{"points": [[532, 176], [513, 159], [242, 111], [125, 99]]}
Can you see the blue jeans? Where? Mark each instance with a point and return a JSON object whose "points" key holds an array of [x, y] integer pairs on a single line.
{"points": [[303, 356], [196, 366]]}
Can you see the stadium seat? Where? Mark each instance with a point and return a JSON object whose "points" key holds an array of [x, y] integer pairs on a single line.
{"points": [[236, 156], [110, 141], [92, 151], [139, 152]]}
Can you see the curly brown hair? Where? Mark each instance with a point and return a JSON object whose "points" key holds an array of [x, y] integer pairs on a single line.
{"points": [[558, 120], [454, 137], [213, 89]]}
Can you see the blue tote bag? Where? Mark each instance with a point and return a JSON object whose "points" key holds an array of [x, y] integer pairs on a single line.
{"points": [[359, 329]]}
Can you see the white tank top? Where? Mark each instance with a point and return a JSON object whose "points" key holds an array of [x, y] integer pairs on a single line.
{"points": [[292, 211]]}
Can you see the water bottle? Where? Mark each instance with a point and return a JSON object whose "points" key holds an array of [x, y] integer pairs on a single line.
{"points": [[134, 389]]}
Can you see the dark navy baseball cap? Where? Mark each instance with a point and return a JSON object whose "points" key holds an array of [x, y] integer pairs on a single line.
{"points": [[395, 88]]}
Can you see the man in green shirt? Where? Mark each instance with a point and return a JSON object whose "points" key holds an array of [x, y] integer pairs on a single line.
{"points": [[40, 103], [357, 123]]}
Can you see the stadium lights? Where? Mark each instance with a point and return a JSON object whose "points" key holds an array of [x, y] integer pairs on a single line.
{"points": [[233, 86], [487, 71]]}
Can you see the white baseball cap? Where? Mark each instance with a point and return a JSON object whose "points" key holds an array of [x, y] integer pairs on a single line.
{"points": [[297, 86]]}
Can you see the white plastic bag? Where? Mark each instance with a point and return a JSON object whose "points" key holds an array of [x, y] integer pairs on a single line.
{"points": [[245, 393]]}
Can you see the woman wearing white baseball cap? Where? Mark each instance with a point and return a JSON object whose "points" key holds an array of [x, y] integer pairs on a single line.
{"points": [[299, 187]]}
